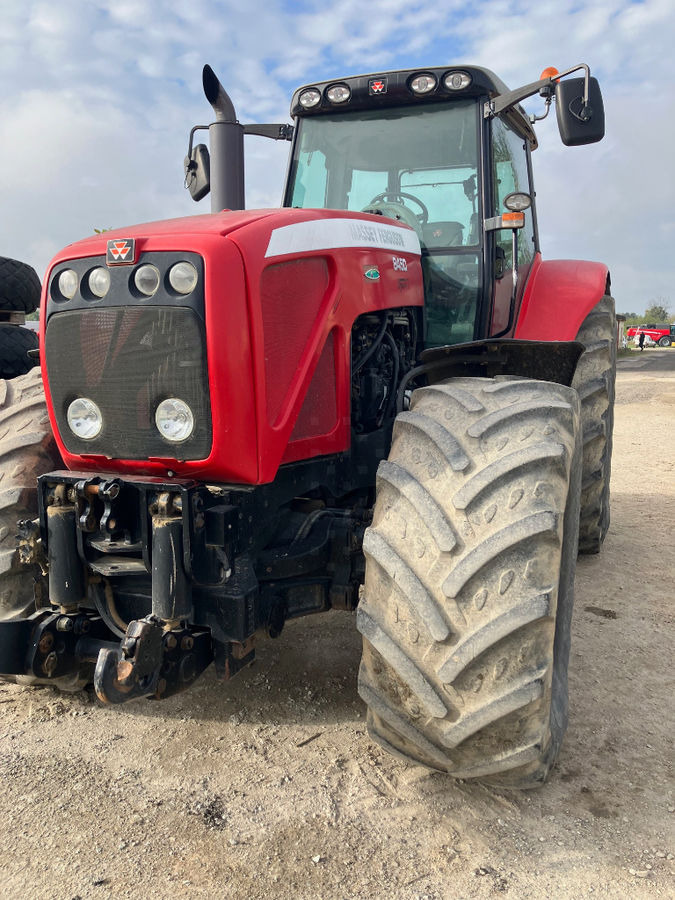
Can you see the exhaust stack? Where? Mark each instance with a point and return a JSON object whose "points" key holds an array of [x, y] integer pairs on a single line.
{"points": [[226, 139]]}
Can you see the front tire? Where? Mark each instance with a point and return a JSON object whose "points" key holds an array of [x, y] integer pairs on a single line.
{"points": [[664, 341], [467, 600]]}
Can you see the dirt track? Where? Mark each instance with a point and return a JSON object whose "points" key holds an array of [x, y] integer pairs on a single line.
{"points": [[270, 788]]}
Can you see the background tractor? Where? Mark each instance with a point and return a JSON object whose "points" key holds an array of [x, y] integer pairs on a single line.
{"points": [[378, 396]]}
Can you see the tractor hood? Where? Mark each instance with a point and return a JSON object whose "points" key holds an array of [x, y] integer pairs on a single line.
{"points": [[258, 351]]}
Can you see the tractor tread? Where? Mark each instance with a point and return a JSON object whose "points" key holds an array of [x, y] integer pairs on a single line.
{"points": [[518, 459], [378, 549], [396, 657], [439, 436], [407, 485]]}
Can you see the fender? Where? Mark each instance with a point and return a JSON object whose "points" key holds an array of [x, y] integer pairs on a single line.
{"points": [[559, 295]]}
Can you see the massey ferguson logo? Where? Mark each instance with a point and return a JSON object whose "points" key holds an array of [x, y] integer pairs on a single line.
{"points": [[121, 252], [377, 86]]}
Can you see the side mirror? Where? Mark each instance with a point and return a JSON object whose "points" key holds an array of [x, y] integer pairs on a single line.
{"points": [[579, 122], [198, 172]]}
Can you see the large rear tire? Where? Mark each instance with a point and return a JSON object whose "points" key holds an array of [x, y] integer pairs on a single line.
{"points": [[19, 286], [468, 593], [594, 381], [27, 449]]}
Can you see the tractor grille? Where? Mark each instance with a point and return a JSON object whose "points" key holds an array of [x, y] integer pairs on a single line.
{"points": [[127, 360]]}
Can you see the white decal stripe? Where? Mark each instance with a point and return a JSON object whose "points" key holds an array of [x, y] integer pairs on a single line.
{"points": [[330, 234]]}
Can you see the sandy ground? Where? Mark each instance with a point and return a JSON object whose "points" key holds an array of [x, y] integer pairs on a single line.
{"points": [[270, 787]]}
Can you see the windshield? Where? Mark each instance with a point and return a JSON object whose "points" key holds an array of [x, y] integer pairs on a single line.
{"points": [[422, 157], [418, 164]]}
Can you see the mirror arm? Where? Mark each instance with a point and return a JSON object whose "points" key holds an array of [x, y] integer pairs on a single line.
{"points": [[281, 132], [534, 118], [502, 102]]}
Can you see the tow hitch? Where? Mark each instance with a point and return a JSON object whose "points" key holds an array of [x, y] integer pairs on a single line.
{"points": [[151, 662]]}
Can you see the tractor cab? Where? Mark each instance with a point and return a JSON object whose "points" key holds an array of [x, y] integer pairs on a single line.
{"points": [[429, 149]]}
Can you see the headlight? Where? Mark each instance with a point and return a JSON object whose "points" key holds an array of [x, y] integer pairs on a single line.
{"points": [[146, 279], [309, 98], [174, 419], [183, 277], [517, 201], [423, 84], [99, 281], [456, 81], [84, 418], [338, 93], [67, 283]]}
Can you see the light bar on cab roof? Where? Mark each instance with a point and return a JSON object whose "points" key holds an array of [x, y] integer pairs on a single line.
{"points": [[457, 81], [309, 98], [338, 93], [424, 83]]}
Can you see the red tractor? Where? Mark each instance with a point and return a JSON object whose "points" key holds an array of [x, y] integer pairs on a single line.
{"points": [[378, 396]]}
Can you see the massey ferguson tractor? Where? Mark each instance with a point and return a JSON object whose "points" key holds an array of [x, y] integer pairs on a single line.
{"points": [[377, 398]]}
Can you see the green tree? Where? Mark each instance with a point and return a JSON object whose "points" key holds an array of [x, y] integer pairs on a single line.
{"points": [[657, 312]]}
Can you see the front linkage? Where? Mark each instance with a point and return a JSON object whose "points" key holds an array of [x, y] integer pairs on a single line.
{"points": [[145, 583]]}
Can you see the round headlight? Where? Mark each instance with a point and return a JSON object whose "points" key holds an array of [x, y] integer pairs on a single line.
{"points": [[99, 281], [146, 279], [423, 84], [174, 419], [455, 81], [183, 277], [67, 283], [338, 93], [84, 418], [309, 98]]}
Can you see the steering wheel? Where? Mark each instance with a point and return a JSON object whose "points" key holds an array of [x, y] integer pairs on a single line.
{"points": [[423, 217]]}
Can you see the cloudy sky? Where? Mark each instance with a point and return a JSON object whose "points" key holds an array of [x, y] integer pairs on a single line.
{"points": [[99, 95]]}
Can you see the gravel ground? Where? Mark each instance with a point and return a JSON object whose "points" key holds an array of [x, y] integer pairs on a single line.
{"points": [[270, 788]]}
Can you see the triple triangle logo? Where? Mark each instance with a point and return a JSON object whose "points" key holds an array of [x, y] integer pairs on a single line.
{"points": [[121, 252]]}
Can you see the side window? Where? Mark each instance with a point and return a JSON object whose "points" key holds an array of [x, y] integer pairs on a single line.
{"points": [[510, 174], [310, 181]]}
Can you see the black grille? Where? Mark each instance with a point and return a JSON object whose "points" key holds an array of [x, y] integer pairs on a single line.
{"points": [[127, 360]]}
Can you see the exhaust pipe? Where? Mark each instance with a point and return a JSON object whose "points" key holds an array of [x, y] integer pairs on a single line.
{"points": [[226, 139]]}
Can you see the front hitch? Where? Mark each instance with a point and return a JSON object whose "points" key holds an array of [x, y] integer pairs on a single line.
{"points": [[151, 662]]}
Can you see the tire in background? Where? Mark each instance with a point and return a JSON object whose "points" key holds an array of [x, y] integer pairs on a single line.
{"points": [[15, 342], [468, 593], [19, 286], [27, 449], [594, 380]]}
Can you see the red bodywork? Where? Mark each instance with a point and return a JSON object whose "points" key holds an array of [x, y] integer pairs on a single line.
{"points": [[277, 329], [558, 296]]}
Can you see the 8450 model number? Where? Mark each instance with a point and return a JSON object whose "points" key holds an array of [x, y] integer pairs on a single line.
{"points": [[400, 264]]}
